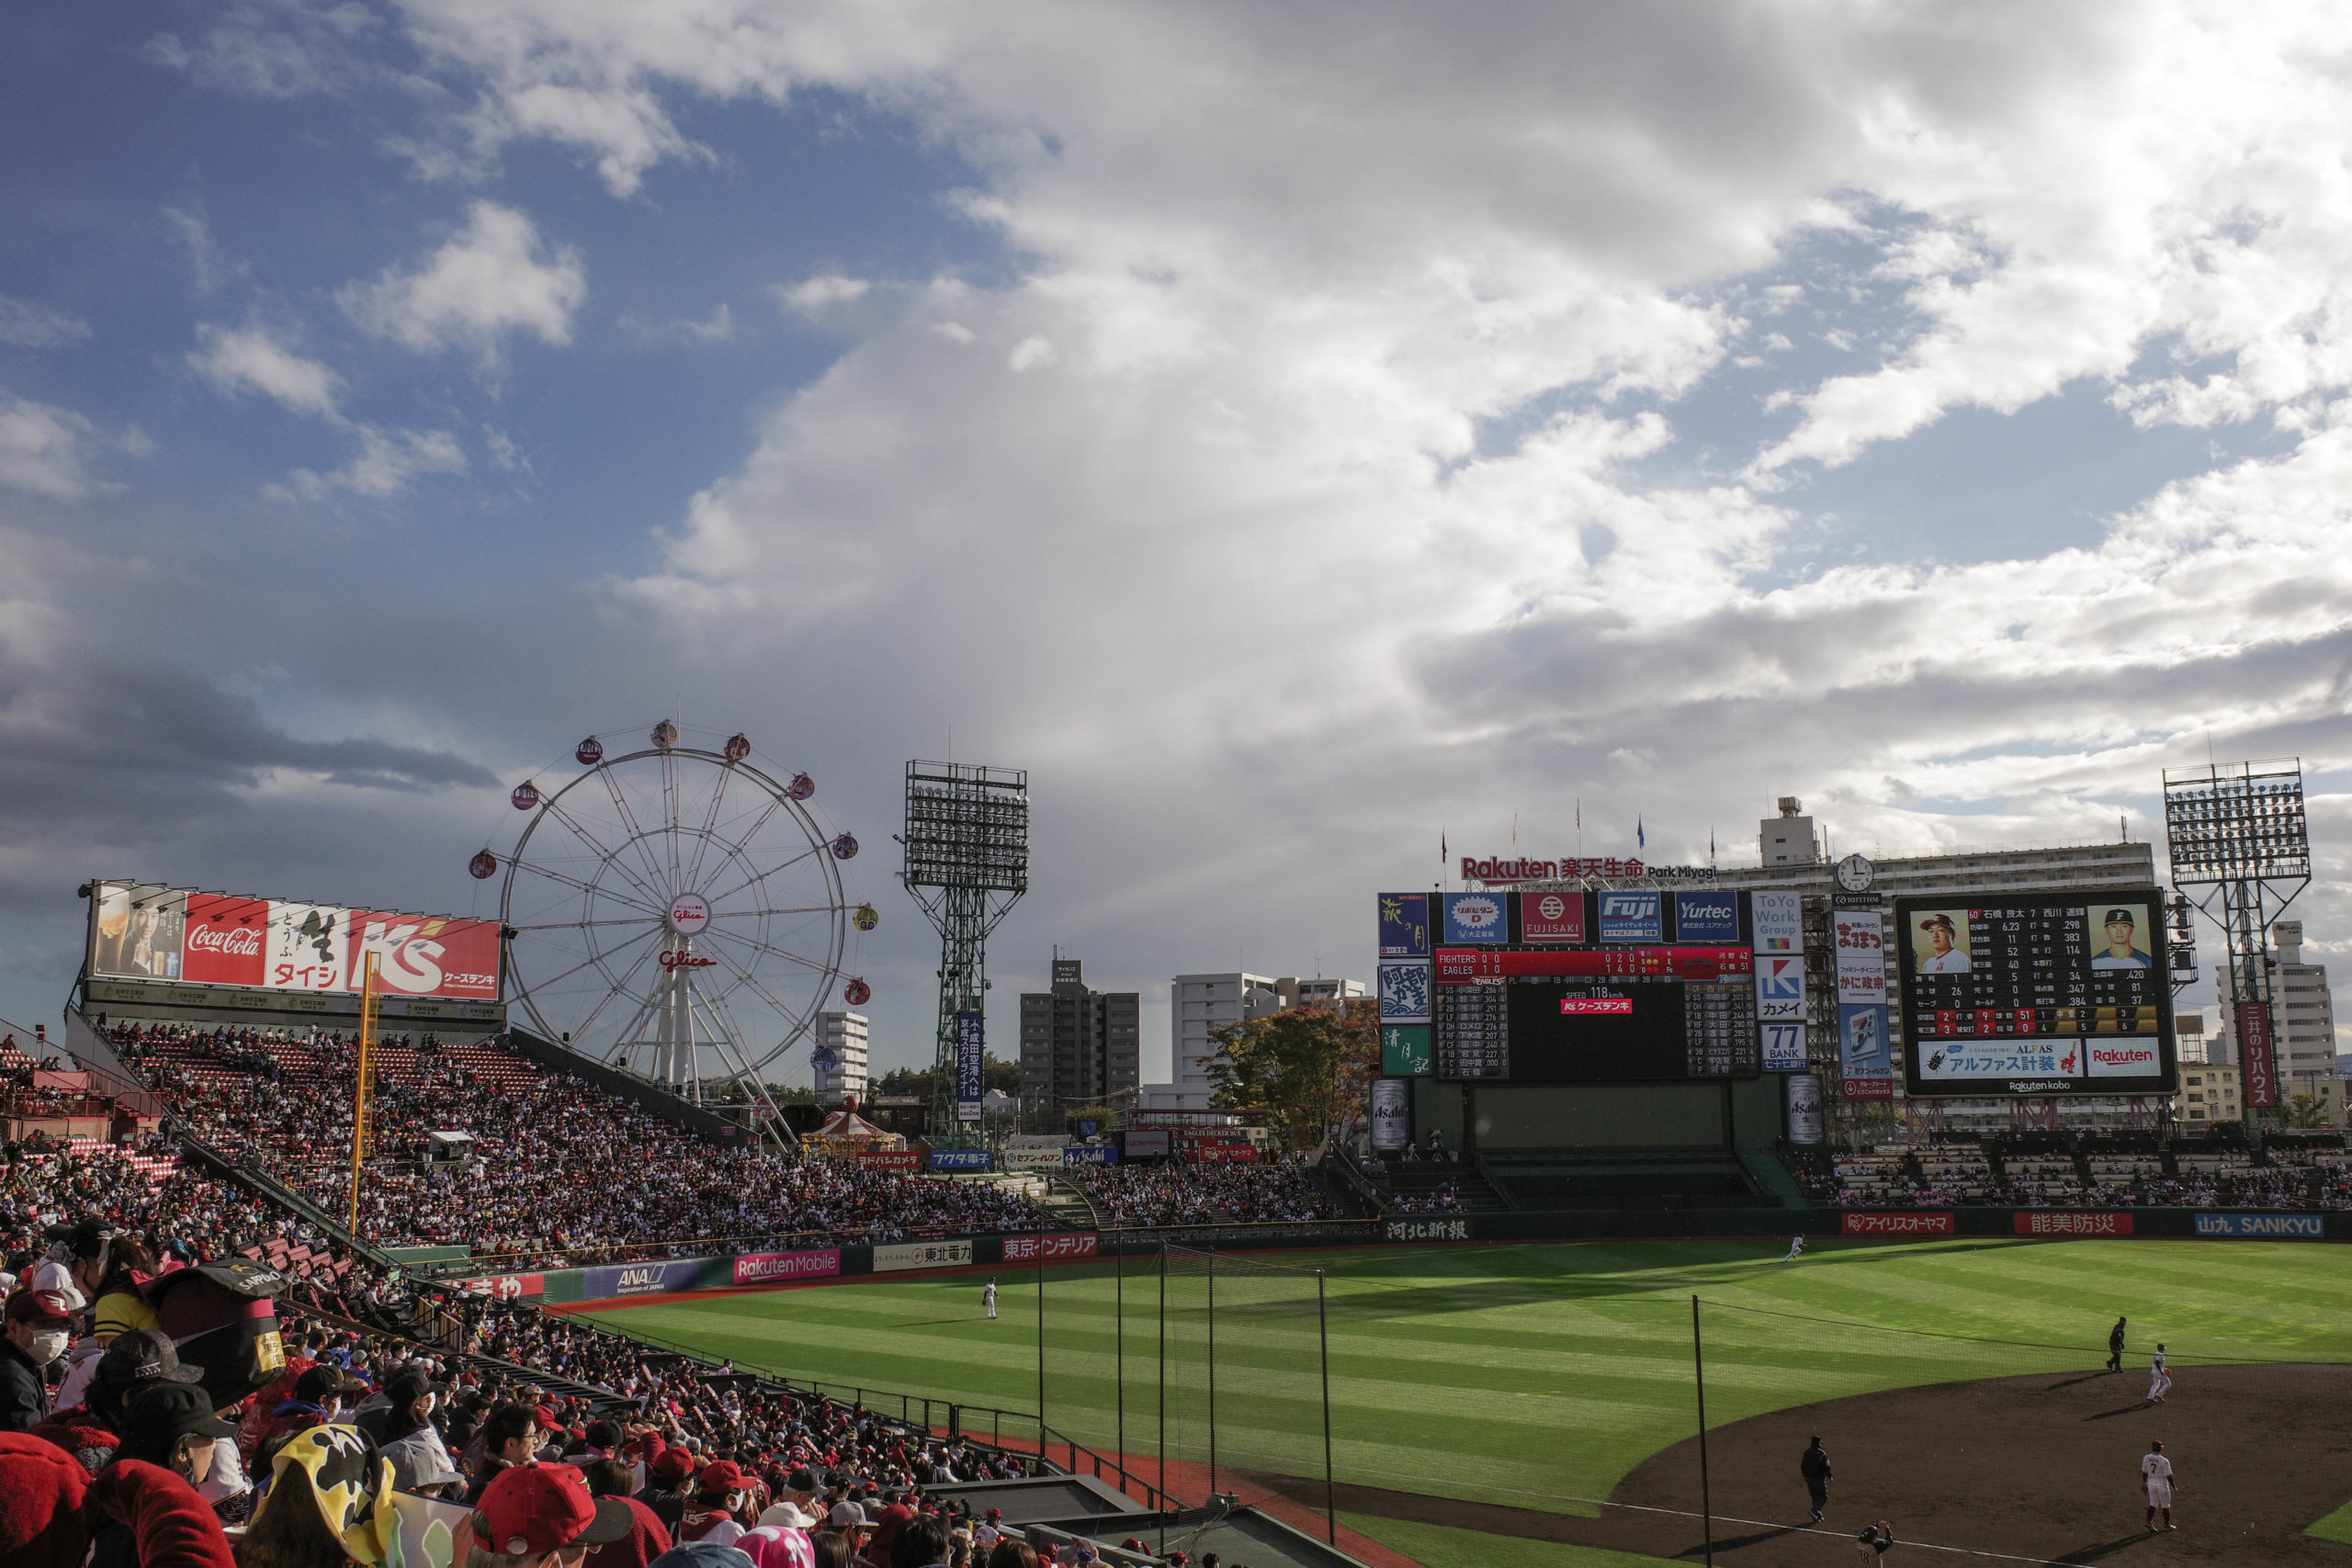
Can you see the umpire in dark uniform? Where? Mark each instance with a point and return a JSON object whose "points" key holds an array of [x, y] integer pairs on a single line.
{"points": [[1815, 1468], [2115, 1346]]}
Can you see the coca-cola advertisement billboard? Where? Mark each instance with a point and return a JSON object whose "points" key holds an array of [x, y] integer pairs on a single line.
{"points": [[225, 939], [142, 931]]}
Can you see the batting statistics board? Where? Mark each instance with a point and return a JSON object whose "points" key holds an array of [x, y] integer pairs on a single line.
{"points": [[1574, 985], [2035, 993]]}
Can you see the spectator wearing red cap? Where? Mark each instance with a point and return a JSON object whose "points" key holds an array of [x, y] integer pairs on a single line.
{"points": [[672, 1474], [719, 1507], [534, 1510], [38, 1324]]}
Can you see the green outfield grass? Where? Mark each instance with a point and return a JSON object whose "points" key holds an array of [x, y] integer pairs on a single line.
{"points": [[1533, 1376]]}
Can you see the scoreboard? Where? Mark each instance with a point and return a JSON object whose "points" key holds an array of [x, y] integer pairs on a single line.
{"points": [[2035, 993], [1578, 987]]}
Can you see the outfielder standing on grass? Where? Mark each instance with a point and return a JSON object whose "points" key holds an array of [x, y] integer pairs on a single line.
{"points": [[2156, 1475], [988, 1294]]}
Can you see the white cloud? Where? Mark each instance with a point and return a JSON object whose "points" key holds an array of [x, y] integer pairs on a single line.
{"points": [[24, 324], [717, 327], [813, 295], [383, 467], [47, 450], [271, 48], [491, 278], [250, 359]]}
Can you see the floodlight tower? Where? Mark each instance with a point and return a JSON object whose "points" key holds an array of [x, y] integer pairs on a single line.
{"points": [[2238, 837], [967, 864]]}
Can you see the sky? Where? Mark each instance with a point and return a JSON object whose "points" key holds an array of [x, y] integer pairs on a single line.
{"points": [[1295, 434]]}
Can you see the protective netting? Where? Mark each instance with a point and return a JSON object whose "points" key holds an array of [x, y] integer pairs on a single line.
{"points": [[1205, 1371]]}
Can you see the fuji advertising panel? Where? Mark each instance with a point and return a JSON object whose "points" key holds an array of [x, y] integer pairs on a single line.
{"points": [[1631, 917]]}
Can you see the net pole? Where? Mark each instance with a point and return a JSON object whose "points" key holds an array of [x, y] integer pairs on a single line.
{"points": [[1212, 1374], [1040, 1353], [1699, 1381], [1119, 1346], [1323, 1347], [1163, 1383]]}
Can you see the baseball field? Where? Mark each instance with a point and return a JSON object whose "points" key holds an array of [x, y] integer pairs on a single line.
{"points": [[1502, 1405]]}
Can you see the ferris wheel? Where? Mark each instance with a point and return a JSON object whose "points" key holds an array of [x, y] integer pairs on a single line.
{"points": [[677, 911]]}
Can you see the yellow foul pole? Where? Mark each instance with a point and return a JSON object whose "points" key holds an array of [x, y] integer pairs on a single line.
{"points": [[359, 1099]]}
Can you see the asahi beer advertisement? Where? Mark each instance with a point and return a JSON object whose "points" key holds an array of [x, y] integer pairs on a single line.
{"points": [[145, 932]]}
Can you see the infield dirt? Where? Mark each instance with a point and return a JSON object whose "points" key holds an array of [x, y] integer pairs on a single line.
{"points": [[2045, 1468]]}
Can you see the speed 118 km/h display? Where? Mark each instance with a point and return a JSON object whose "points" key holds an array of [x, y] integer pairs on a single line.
{"points": [[2035, 993]]}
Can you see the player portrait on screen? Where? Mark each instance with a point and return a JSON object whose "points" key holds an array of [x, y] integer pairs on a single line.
{"points": [[2122, 945], [1939, 942]]}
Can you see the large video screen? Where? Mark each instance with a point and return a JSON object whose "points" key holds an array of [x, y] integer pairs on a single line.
{"points": [[2035, 993], [1576, 986], [150, 932]]}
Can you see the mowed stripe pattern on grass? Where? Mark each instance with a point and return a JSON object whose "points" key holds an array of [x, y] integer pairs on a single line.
{"points": [[1533, 1376]]}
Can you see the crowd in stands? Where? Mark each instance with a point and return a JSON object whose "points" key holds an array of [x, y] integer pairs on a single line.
{"points": [[104, 1436], [1171, 1192], [2282, 1177], [569, 1173]]}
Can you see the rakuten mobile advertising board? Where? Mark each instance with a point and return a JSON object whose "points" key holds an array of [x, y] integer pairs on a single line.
{"points": [[147, 931]]}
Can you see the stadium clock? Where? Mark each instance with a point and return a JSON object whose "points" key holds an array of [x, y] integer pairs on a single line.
{"points": [[1854, 874]]}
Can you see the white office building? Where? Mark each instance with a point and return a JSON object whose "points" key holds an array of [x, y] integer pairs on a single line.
{"points": [[1199, 1005], [842, 1034], [2302, 1023]]}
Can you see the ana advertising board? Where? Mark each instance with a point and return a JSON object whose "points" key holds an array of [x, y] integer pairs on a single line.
{"points": [[640, 1278], [896, 1255], [765, 1268], [1035, 1248], [145, 932]]}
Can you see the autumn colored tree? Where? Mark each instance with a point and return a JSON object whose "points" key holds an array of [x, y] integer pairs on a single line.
{"points": [[1308, 1066]]}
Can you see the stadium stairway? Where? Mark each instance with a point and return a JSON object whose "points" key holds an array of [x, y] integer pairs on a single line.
{"points": [[1068, 1205]]}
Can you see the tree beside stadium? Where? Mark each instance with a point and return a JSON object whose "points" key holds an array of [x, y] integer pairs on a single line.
{"points": [[1308, 1066]]}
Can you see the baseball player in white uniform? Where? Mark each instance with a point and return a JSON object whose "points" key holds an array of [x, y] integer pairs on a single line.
{"points": [[2159, 1380], [988, 1294], [1796, 1249], [2156, 1475]]}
